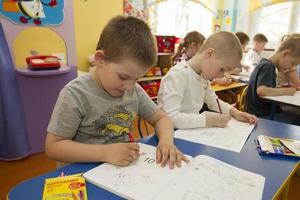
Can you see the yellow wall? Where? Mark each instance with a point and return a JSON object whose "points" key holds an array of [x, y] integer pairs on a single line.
{"points": [[43, 40], [90, 18]]}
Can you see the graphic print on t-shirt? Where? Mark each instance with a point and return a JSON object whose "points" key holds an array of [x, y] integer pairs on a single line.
{"points": [[115, 123]]}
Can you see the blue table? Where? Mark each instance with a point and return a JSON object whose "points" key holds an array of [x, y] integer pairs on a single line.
{"points": [[277, 171]]}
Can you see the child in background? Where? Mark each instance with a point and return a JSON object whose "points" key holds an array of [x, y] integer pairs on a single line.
{"points": [[263, 81], [244, 39], [188, 47], [288, 77], [253, 56], [186, 87], [93, 116]]}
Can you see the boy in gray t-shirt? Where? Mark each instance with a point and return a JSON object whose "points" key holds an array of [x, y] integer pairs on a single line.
{"points": [[93, 116]]}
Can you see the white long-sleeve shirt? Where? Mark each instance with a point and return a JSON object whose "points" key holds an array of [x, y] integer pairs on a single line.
{"points": [[182, 94], [252, 58]]}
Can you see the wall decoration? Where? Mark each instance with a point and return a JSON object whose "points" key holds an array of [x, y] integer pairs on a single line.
{"points": [[136, 9], [37, 12]]}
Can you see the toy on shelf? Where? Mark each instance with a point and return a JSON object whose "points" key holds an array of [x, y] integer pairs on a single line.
{"points": [[43, 62], [165, 44], [151, 87], [156, 71]]}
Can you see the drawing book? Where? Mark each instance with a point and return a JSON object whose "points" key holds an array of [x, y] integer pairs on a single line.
{"points": [[278, 146], [71, 187], [232, 137], [202, 178]]}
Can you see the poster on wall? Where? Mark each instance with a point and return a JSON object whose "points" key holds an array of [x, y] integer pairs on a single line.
{"points": [[36, 12]]}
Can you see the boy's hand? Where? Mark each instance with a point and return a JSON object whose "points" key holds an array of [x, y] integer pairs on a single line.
{"points": [[247, 68], [289, 91], [243, 116], [223, 81], [167, 152], [121, 154], [216, 119]]}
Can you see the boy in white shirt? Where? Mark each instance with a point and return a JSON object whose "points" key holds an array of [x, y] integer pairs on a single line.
{"points": [[253, 56], [186, 87]]}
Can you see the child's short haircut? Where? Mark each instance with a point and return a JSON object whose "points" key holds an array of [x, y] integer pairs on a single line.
{"points": [[128, 37], [291, 42], [260, 38], [243, 37], [226, 45]]}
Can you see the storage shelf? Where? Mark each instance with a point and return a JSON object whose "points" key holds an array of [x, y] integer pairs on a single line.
{"points": [[165, 54]]}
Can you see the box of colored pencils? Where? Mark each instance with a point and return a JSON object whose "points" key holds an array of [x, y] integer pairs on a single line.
{"points": [[71, 187]]}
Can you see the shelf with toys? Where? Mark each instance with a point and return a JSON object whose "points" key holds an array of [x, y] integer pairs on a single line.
{"points": [[151, 81]]}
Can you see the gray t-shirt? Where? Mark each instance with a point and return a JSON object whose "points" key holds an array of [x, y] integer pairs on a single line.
{"points": [[88, 114]]}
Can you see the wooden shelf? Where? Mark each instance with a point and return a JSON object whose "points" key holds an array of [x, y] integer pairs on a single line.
{"points": [[165, 54], [152, 78]]}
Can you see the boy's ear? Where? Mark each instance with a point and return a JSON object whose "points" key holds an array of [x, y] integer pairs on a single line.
{"points": [[208, 53], [99, 58], [285, 52]]}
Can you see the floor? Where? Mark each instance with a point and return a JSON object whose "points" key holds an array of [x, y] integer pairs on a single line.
{"points": [[14, 172]]}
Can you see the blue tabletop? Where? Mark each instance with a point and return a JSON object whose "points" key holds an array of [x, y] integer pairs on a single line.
{"points": [[275, 169]]}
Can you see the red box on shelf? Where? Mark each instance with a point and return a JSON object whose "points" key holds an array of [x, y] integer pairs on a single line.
{"points": [[165, 44], [42, 62], [151, 88]]}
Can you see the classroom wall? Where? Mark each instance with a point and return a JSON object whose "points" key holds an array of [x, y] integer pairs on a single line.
{"points": [[23, 38], [90, 17], [45, 41]]}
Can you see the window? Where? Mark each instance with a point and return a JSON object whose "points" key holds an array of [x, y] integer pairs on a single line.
{"points": [[274, 22], [177, 17]]}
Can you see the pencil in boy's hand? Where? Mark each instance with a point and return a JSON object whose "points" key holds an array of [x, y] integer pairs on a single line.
{"points": [[131, 139], [219, 106]]}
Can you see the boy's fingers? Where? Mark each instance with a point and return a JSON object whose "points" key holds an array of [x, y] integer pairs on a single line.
{"points": [[164, 158], [158, 155], [134, 155], [178, 159], [172, 158], [134, 146]]}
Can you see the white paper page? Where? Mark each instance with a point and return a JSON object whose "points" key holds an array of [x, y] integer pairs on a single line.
{"points": [[140, 180], [245, 74], [211, 179], [241, 78], [294, 146], [232, 137], [294, 100]]}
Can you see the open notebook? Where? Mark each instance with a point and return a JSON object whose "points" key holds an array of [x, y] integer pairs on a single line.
{"points": [[291, 100], [232, 137], [203, 178]]}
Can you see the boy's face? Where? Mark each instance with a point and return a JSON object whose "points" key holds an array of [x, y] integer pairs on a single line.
{"points": [[259, 46], [118, 77], [287, 61], [215, 67]]}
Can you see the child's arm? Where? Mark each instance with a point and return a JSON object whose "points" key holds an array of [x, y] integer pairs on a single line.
{"points": [[270, 91], [243, 116], [67, 150], [166, 150], [221, 81], [294, 78], [235, 71]]}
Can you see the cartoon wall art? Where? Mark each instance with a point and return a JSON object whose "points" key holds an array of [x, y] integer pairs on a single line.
{"points": [[37, 12]]}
